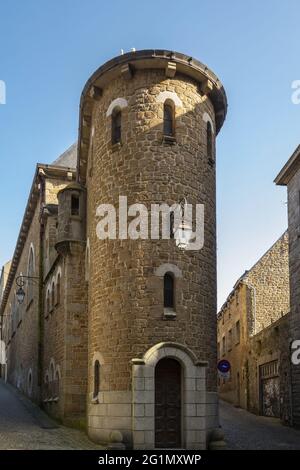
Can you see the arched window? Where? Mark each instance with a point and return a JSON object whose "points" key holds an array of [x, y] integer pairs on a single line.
{"points": [[116, 126], [30, 273], [52, 295], [209, 141], [172, 226], [58, 287], [169, 119], [96, 378], [168, 291]]}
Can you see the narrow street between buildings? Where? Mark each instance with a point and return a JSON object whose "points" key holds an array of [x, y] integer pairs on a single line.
{"points": [[23, 426], [246, 431]]}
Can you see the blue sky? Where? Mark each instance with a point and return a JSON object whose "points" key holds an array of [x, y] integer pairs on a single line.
{"points": [[48, 49]]}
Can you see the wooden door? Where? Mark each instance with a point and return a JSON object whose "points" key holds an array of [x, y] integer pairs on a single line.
{"points": [[168, 404]]}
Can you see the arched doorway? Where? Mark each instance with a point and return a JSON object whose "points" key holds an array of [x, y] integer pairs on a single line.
{"points": [[168, 404]]}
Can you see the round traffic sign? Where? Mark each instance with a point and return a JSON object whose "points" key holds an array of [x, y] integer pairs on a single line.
{"points": [[224, 366]]}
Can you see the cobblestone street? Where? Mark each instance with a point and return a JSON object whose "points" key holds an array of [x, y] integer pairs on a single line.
{"points": [[245, 431], [24, 426]]}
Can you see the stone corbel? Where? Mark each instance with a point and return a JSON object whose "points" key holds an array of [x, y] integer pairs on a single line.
{"points": [[206, 87], [126, 71], [95, 93], [170, 69]]}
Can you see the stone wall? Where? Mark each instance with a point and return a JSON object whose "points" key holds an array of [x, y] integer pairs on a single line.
{"points": [[46, 336], [294, 245], [269, 279], [21, 322], [235, 313], [260, 302], [268, 345]]}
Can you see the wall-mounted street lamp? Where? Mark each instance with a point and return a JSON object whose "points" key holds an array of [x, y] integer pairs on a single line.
{"points": [[20, 281], [183, 232]]}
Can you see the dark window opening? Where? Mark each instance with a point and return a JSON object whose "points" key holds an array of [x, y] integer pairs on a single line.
{"points": [[169, 128], [168, 291], [58, 290], [209, 141], [74, 205], [172, 225], [116, 127], [96, 378], [53, 296]]}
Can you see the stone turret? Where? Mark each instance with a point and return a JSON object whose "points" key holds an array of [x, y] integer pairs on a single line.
{"points": [[148, 125], [71, 215]]}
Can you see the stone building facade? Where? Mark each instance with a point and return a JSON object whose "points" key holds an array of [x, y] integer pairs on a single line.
{"points": [[3, 279], [46, 335], [289, 176], [253, 329], [125, 329]]}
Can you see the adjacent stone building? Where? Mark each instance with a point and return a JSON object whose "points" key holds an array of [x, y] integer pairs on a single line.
{"points": [[120, 334], [46, 336], [253, 330], [3, 279], [290, 176]]}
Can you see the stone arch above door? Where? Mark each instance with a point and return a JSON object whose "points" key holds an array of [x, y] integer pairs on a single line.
{"points": [[194, 396]]}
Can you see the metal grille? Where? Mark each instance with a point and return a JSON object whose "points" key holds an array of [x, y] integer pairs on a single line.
{"points": [[269, 370]]}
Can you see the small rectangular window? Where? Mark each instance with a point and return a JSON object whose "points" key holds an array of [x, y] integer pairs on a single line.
{"points": [[74, 205]]}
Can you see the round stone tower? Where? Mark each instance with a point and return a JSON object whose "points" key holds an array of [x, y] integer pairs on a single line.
{"points": [[148, 123]]}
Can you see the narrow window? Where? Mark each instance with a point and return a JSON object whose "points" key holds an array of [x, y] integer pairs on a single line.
{"points": [[74, 205], [169, 127], [171, 225], [168, 291], [96, 378], [209, 141], [53, 296], [58, 287], [116, 126]]}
